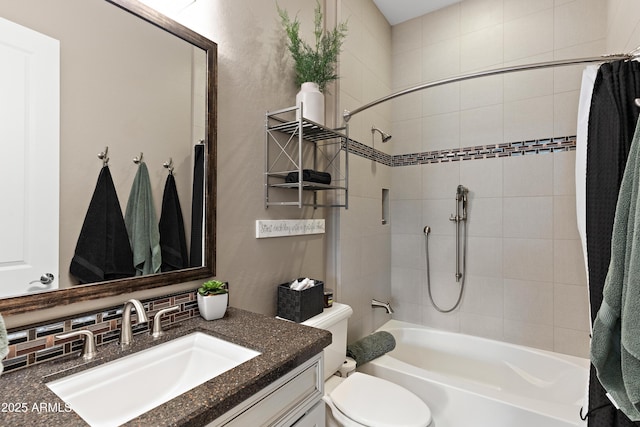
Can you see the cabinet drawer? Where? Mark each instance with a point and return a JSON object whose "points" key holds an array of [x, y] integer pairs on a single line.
{"points": [[313, 418], [281, 403]]}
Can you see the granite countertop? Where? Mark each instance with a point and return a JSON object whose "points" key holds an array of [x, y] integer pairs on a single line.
{"points": [[26, 400]]}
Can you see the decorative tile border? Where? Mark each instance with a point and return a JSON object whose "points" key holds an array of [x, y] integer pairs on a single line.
{"points": [[362, 150], [37, 344], [508, 149]]}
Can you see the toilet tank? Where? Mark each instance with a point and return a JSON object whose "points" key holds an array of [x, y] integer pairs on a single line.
{"points": [[334, 320]]}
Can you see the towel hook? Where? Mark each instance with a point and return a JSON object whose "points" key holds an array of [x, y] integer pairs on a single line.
{"points": [[169, 165], [104, 156], [138, 159]]}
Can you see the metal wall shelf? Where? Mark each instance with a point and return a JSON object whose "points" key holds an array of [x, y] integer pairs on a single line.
{"points": [[292, 145]]}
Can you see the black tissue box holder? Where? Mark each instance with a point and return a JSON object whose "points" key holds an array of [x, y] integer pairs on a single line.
{"points": [[299, 306]]}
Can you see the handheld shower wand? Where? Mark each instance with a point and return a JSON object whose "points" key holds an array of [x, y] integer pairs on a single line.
{"points": [[461, 201], [461, 204], [461, 196]]}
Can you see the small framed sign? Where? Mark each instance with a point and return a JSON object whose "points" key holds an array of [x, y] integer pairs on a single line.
{"points": [[288, 227]]}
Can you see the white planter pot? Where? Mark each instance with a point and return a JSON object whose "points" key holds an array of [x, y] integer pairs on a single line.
{"points": [[213, 306], [312, 102]]}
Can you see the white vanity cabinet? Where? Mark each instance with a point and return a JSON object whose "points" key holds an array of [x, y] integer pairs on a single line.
{"points": [[293, 400]]}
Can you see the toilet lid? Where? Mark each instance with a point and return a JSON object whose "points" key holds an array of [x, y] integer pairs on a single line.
{"points": [[375, 402]]}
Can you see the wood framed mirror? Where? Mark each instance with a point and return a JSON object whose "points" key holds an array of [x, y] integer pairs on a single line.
{"points": [[205, 134]]}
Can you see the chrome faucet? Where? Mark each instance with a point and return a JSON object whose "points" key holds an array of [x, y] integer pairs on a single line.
{"points": [[157, 325], [386, 305], [126, 334], [89, 347]]}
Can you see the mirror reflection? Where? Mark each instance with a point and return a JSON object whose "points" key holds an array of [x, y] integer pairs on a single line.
{"points": [[142, 97]]}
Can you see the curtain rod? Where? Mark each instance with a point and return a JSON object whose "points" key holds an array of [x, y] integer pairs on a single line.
{"points": [[563, 62]]}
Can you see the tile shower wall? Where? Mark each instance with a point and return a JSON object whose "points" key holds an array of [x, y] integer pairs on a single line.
{"points": [[525, 274], [362, 263], [623, 25]]}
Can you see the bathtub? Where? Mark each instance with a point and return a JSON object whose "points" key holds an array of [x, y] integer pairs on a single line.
{"points": [[469, 381]]}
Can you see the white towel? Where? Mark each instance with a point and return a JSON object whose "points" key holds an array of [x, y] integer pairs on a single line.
{"points": [[4, 343]]}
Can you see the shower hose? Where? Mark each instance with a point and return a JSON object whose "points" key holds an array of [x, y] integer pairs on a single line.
{"points": [[427, 230]]}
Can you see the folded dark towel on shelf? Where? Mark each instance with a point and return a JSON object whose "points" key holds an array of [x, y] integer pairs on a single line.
{"points": [[311, 176], [371, 347]]}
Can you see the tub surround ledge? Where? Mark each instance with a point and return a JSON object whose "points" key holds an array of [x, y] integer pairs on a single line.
{"points": [[26, 400]]}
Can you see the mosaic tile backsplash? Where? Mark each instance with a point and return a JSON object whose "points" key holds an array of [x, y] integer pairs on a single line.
{"points": [[507, 149], [38, 344]]}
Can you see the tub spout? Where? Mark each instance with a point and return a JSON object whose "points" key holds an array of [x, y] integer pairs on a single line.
{"points": [[375, 303]]}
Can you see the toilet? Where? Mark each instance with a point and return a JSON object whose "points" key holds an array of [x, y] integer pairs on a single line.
{"points": [[361, 400]]}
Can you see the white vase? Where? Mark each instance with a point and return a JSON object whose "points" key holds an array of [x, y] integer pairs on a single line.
{"points": [[311, 102], [213, 306]]}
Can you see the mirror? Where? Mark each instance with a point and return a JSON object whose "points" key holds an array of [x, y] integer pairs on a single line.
{"points": [[86, 83]]}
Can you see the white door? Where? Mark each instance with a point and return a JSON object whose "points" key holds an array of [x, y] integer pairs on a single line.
{"points": [[29, 159]]}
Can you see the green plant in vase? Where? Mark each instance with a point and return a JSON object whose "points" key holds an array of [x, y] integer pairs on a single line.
{"points": [[213, 298], [314, 64], [213, 287]]}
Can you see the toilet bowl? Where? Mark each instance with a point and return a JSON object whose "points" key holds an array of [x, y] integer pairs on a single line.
{"points": [[361, 400]]}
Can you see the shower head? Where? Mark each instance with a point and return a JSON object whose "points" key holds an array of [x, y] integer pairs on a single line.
{"points": [[385, 136]]}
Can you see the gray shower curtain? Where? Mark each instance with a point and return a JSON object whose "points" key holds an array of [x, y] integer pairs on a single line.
{"points": [[612, 120]]}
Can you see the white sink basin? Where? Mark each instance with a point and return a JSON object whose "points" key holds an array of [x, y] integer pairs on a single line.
{"points": [[118, 391]]}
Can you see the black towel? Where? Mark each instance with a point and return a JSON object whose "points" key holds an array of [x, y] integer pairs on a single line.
{"points": [[173, 243], [612, 119], [103, 251], [310, 175], [197, 207]]}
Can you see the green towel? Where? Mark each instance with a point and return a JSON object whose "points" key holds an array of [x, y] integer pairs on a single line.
{"points": [[371, 347], [615, 346], [142, 225]]}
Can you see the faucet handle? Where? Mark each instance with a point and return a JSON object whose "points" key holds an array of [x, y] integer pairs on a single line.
{"points": [[157, 325], [89, 348]]}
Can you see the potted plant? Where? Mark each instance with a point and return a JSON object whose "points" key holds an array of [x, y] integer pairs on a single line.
{"points": [[315, 66], [213, 298]]}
